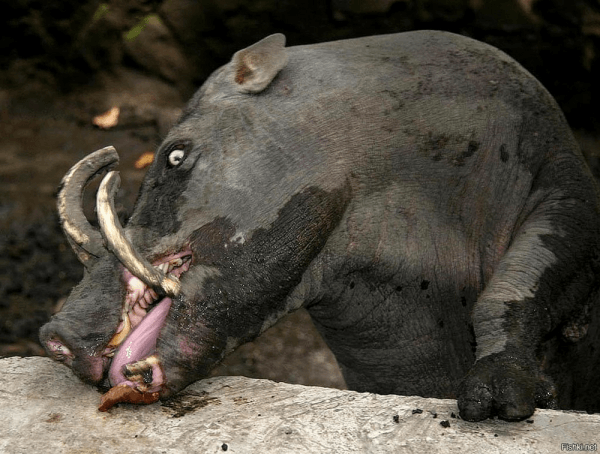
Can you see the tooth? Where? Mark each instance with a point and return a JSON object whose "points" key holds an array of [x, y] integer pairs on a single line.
{"points": [[158, 267], [136, 286], [123, 317], [119, 328], [148, 299], [176, 262], [120, 336], [139, 310], [151, 360]]}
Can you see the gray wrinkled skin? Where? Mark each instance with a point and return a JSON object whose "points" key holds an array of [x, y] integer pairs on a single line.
{"points": [[420, 193]]}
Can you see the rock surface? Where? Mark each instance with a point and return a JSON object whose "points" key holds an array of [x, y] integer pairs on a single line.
{"points": [[45, 408]]}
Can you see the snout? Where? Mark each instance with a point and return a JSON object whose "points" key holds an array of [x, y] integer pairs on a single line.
{"points": [[61, 345]]}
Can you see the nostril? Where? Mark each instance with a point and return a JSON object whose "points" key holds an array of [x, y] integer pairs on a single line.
{"points": [[59, 351]]}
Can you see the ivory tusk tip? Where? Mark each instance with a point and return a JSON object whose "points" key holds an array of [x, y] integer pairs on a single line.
{"points": [[171, 285], [120, 336]]}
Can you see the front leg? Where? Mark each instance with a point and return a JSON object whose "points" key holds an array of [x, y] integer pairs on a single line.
{"points": [[543, 280]]}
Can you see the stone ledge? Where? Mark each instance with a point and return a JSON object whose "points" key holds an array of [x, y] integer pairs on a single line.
{"points": [[45, 408]]}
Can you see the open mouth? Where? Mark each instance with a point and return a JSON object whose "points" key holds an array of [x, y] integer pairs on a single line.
{"points": [[143, 316]]}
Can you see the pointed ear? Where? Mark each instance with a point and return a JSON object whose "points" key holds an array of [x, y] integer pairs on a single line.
{"points": [[256, 66]]}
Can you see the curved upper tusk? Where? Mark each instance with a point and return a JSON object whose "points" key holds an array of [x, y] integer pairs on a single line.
{"points": [[120, 245], [85, 240]]}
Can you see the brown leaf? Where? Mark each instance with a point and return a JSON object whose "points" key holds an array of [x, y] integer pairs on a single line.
{"points": [[108, 119], [144, 160]]}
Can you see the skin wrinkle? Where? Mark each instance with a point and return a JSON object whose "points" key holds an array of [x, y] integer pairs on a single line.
{"points": [[493, 337], [488, 317], [353, 324], [267, 287]]}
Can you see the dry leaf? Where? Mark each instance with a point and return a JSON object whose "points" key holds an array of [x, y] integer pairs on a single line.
{"points": [[108, 119], [144, 160], [125, 393]]}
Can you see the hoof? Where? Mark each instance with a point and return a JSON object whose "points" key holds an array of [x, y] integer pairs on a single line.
{"points": [[504, 386]]}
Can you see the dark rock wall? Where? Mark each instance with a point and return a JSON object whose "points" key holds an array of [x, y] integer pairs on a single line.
{"points": [[182, 41]]}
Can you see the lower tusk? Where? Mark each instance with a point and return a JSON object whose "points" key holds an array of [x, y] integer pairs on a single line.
{"points": [[120, 337], [171, 285], [175, 263]]}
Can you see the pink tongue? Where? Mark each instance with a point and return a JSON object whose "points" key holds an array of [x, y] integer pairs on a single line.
{"points": [[140, 343]]}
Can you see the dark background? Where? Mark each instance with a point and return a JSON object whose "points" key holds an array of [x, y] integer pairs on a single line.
{"points": [[63, 63]]}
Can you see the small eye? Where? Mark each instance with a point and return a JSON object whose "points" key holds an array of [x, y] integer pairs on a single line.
{"points": [[176, 156]]}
